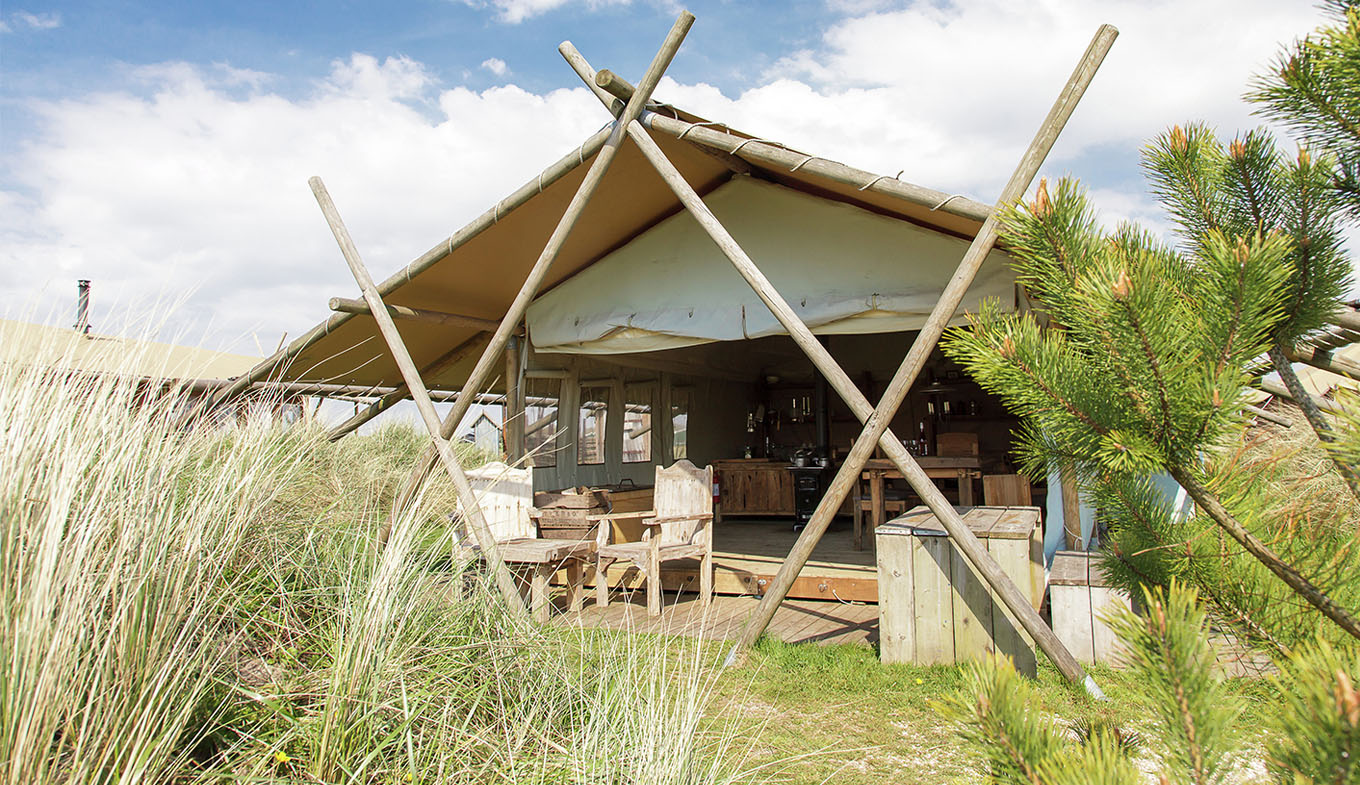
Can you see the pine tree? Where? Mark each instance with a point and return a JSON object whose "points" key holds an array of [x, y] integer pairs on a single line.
{"points": [[1141, 364]]}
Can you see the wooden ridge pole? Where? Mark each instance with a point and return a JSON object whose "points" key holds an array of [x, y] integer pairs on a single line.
{"points": [[492, 355], [280, 359], [739, 152], [472, 509], [876, 421], [359, 307], [401, 393]]}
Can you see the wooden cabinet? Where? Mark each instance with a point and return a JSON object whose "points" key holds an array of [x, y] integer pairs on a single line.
{"points": [[755, 487]]}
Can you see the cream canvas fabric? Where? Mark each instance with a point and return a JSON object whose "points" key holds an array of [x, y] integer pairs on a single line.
{"points": [[844, 269]]}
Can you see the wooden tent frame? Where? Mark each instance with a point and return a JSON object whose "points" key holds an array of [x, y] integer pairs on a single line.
{"points": [[627, 103]]}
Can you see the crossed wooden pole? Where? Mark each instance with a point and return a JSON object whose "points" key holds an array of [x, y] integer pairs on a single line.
{"points": [[612, 92], [875, 420]]}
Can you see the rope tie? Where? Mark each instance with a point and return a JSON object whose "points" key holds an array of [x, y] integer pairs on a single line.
{"points": [[799, 165], [875, 181], [946, 201], [706, 123]]}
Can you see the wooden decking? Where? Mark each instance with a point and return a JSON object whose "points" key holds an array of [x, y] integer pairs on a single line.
{"points": [[747, 554], [796, 621]]}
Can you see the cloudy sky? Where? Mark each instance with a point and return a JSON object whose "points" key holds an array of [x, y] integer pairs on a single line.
{"points": [[162, 149]]}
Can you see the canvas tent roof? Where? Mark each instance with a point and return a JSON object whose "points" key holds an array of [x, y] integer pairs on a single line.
{"points": [[478, 270]]}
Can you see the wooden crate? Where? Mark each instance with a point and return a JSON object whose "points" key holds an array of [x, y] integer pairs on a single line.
{"points": [[1078, 595], [934, 608]]}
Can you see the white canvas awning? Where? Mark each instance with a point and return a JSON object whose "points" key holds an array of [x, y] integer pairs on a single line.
{"points": [[844, 269]]}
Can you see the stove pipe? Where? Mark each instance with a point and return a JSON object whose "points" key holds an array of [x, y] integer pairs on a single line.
{"points": [[83, 306]]}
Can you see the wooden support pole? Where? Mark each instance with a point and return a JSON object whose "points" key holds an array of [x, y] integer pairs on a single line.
{"points": [[1071, 507], [346, 305], [401, 393], [774, 156], [472, 508], [512, 424], [1323, 360], [876, 424], [529, 289], [1348, 318], [876, 421]]}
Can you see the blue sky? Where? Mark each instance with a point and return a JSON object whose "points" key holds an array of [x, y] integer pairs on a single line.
{"points": [[162, 149]]}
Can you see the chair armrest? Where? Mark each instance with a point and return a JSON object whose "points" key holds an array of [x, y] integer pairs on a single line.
{"points": [[658, 521], [614, 516]]}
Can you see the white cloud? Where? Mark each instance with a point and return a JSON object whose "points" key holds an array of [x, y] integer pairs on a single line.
{"points": [[198, 180], [496, 66], [34, 21], [952, 92], [516, 11], [196, 187]]}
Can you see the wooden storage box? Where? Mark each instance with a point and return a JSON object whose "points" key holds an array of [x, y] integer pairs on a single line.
{"points": [[1078, 595], [934, 608]]}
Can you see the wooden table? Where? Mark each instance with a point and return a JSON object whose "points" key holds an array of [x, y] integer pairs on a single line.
{"points": [[879, 470], [543, 558]]}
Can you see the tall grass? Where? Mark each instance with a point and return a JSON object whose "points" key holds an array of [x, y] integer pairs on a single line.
{"points": [[210, 603]]}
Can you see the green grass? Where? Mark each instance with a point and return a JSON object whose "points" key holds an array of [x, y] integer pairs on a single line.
{"points": [[836, 714]]}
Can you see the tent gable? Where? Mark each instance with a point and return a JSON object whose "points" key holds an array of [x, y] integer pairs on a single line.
{"points": [[844, 269]]}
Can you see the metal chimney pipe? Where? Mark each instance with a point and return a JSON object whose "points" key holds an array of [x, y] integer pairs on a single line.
{"points": [[83, 305]]}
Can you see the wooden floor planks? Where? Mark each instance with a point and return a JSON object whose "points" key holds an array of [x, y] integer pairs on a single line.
{"points": [[796, 621]]}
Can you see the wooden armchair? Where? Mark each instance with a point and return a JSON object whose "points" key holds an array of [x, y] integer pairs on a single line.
{"points": [[506, 497], [680, 527]]}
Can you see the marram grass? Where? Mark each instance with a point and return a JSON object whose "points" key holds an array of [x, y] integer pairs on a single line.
{"points": [[208, 604]]}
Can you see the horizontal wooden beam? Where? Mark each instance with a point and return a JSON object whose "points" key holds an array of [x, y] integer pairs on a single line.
{"points": [[1280, 391], [775, 157], [1348, 318], [1324, 360], [348, 305]]}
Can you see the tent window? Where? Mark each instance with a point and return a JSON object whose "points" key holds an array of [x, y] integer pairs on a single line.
{"points": [[637, 424], [679, 423], [540, 420], [591, 440]]}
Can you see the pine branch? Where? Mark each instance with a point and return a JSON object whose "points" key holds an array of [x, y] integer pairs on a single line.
{"points": [[1210, 504]]}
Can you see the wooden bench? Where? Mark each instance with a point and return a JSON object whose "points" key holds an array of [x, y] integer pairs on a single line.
{"points": [[540, 559], [933, 606]]}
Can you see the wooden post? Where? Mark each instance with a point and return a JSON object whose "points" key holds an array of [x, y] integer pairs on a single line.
{"points": [[1071, 507], [472, 509], [512, 422], [346, 305], [876, 421], [592, 179]]}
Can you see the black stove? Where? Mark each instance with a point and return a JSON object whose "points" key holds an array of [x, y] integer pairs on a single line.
{"points": [[809, 486]]}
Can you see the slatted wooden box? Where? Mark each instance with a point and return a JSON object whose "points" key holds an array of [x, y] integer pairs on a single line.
{"points": [[934, 608], [1078, 595]]}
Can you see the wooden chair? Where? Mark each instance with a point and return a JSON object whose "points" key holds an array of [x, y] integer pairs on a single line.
{"points": [[506, 497], [1006, 490], [680, 527], [956, 444]]}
